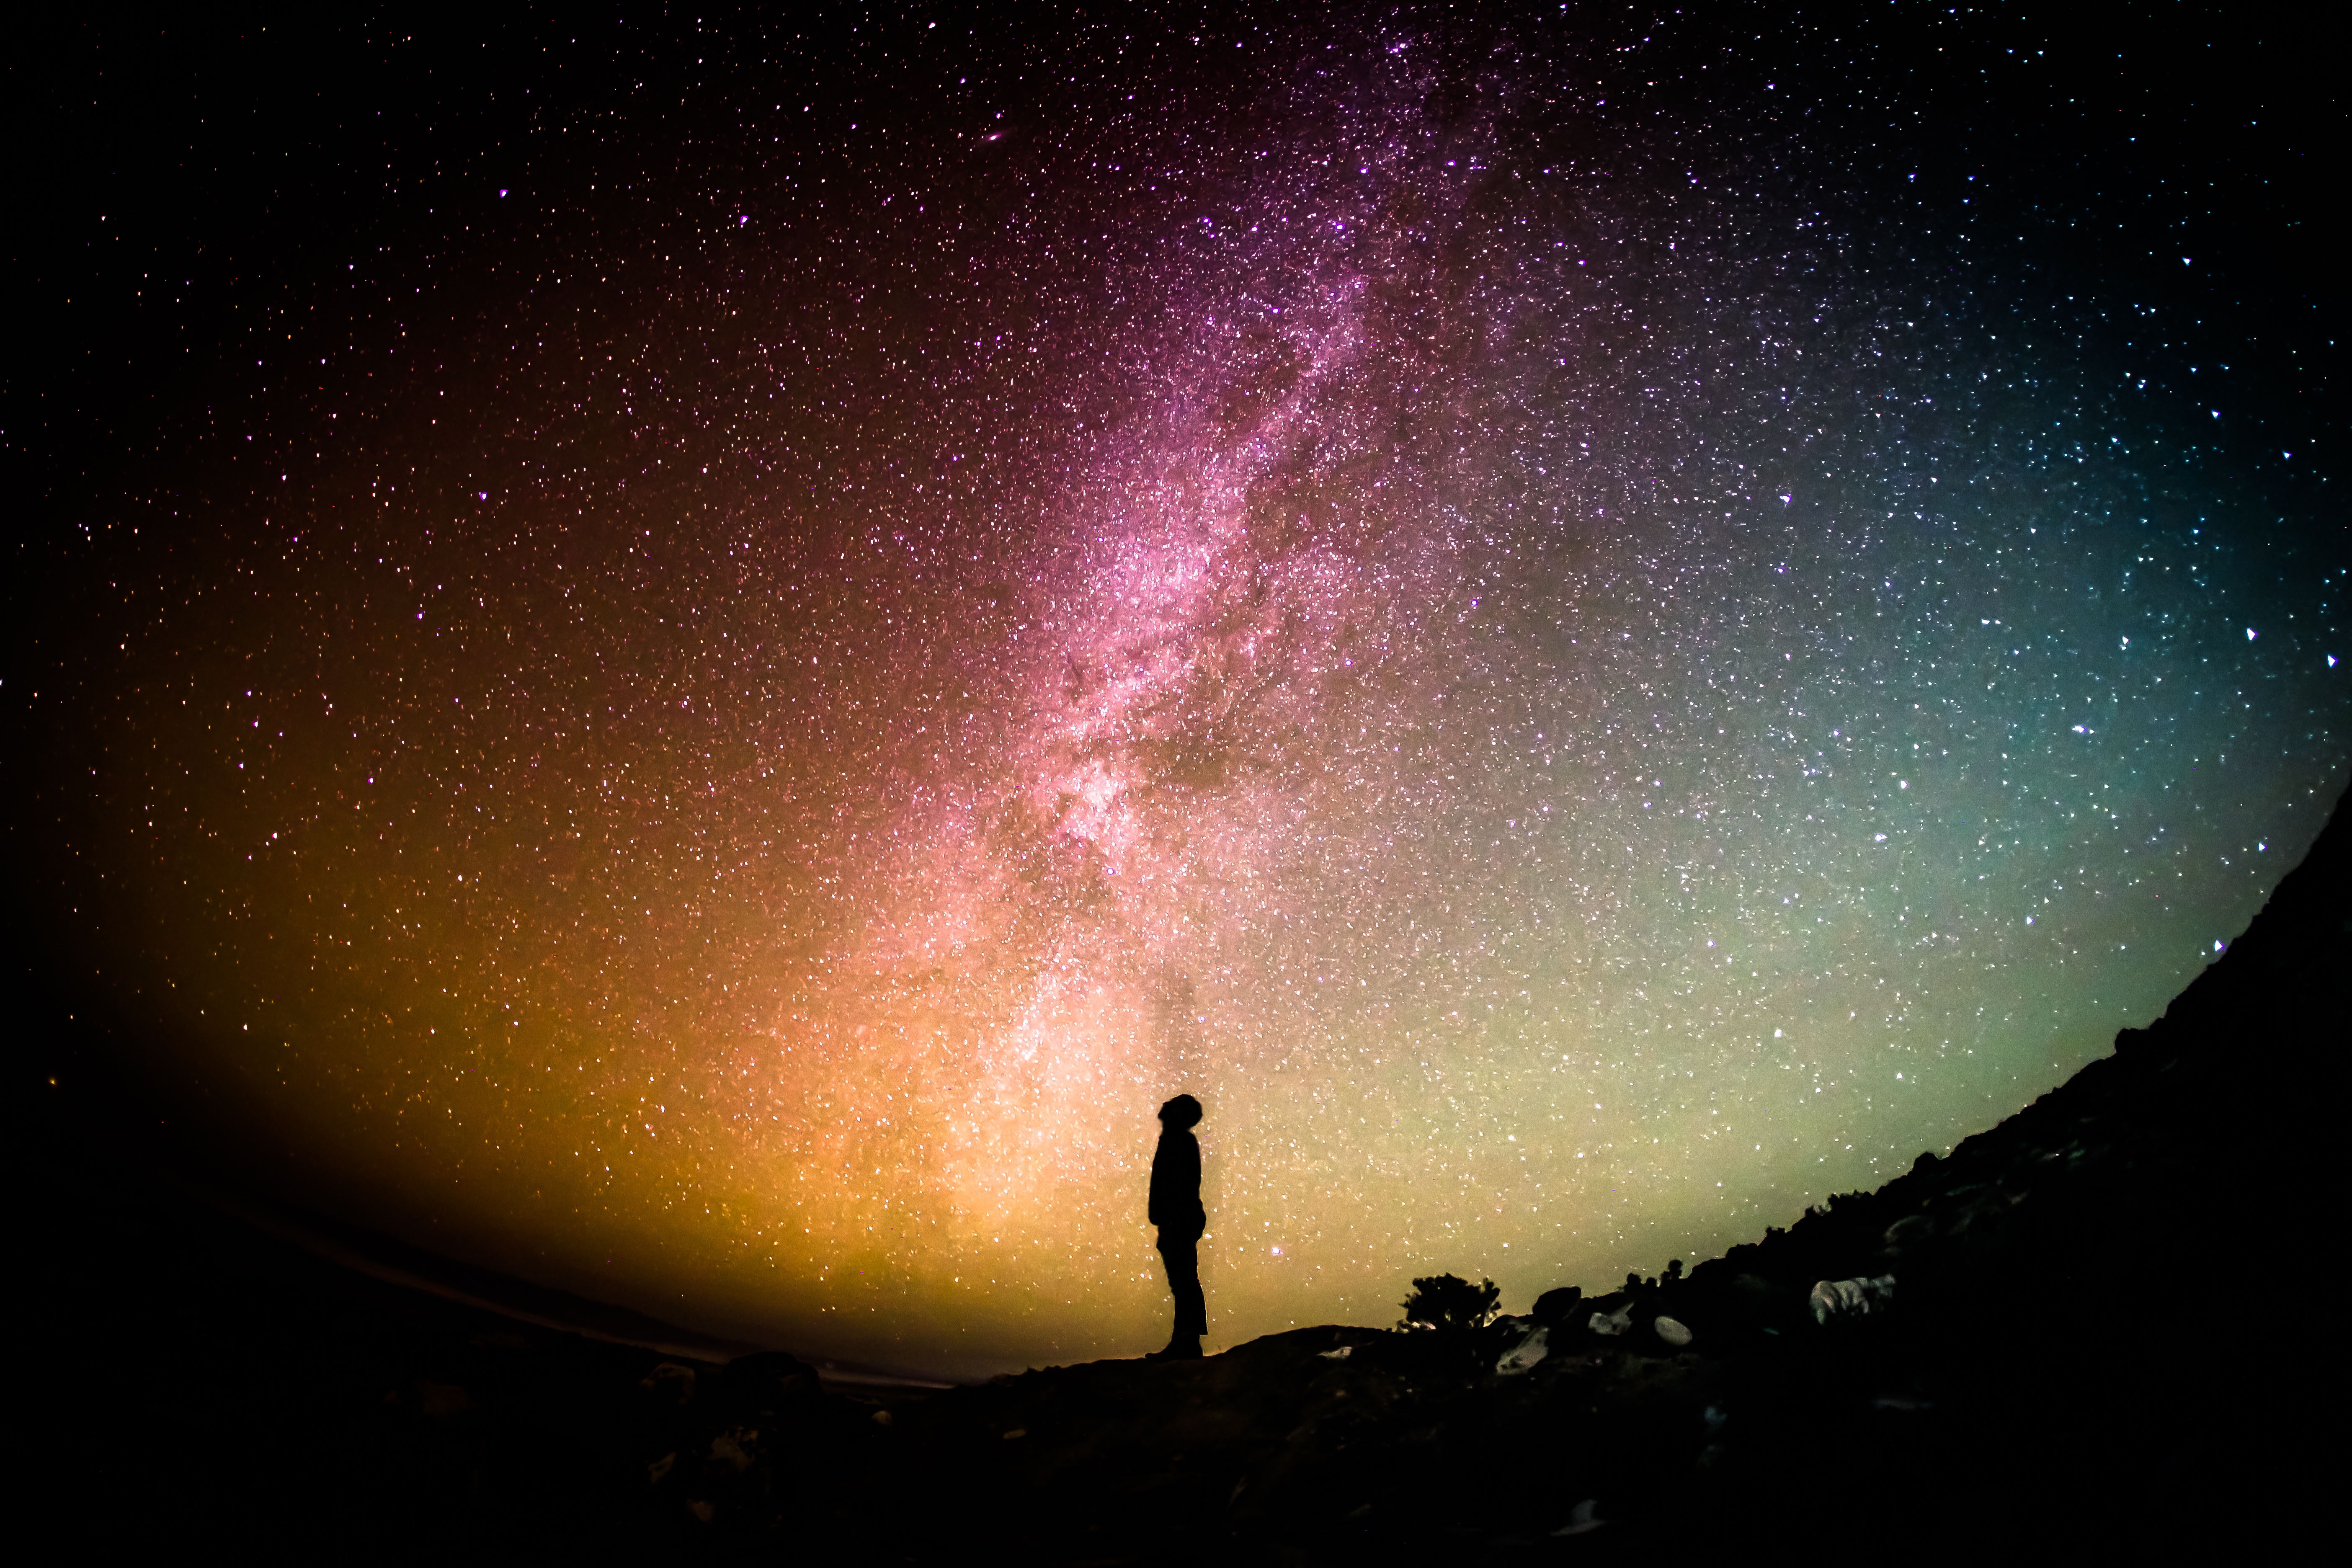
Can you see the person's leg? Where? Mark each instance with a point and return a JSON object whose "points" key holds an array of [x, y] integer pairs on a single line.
{"points": [[1180, 1253], [1192, 1307]]}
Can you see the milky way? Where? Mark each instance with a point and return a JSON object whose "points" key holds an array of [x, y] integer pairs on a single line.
{"points": [[747, 686]]}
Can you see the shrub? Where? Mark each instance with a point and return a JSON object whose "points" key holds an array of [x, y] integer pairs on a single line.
{"points": [[1452, 1306]]}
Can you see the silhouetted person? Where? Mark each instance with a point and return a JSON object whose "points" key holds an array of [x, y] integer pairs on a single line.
{"points": [[1176, 1210]]}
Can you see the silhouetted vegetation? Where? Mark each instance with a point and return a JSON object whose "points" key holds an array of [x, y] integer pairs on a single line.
{"points": [[1451, 1305]]}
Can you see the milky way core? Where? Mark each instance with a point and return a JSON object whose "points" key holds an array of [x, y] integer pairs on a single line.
{"points": [[718, 711]]}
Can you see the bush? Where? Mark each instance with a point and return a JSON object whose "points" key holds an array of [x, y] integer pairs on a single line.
{"points": [[1452, 1306]]}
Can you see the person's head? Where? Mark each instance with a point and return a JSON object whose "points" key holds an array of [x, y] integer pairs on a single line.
{"points": [[1180, 1113]]}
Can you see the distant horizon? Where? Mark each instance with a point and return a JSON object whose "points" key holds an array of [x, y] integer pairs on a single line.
{"points": [[385, 1256]]}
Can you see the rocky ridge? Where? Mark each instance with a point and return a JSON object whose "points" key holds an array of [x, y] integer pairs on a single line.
{"points": [[2045, 1340]]}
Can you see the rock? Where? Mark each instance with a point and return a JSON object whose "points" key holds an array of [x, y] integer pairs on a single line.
{"points": [[1672, 1331], [1583, 1521], [1523, 1356], [881, 1418], [1909, 1231], [670, 1381], [726, 1449], [1342, 1354], [1612, 1324], [1559, 1306], [1851, 1297]]}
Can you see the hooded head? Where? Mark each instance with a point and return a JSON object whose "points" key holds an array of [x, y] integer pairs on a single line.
{"points": [[1180, 1114]]}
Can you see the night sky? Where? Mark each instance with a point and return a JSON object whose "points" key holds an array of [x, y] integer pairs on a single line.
{"points": [[701, 659]]}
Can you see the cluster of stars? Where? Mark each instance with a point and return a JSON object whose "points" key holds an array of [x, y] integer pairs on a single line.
{"points": [[1581, 683]]}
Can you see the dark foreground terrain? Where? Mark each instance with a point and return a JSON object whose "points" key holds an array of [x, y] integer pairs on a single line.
{"points": [[2107, 1332]]}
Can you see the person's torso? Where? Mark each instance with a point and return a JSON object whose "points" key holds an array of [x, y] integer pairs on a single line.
{"points": [[1176, 1179]]}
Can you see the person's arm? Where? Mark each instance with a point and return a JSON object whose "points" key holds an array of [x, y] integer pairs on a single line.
{"points": [[1156, 1213]]}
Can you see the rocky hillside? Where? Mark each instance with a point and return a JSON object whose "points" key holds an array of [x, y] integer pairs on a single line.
{"points": [[2088, 1327]]}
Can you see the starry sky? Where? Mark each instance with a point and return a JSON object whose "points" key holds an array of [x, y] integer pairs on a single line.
{"points": [[701, 659]]}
